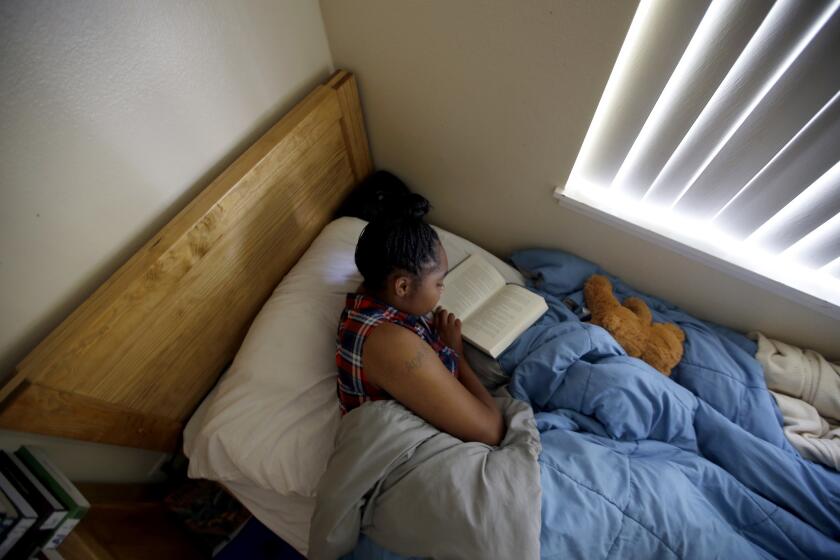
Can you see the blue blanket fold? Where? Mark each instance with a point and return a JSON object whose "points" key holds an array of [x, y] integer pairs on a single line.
{"points": [[635, 464]]}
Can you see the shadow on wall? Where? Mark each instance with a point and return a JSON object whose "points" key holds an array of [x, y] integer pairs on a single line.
{"points": [[93, 171]]}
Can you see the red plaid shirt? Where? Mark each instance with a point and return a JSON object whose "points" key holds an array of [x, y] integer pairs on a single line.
{"points": [[362, 313]]}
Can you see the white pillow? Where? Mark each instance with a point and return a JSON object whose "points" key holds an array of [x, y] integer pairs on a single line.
{"points": [[272, 418]]}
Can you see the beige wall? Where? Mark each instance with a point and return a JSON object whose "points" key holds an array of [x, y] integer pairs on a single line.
{"points": [[482, 106], [113, 115]]}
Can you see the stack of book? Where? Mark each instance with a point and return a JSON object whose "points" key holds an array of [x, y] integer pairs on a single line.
{"points": [[39, 506]]}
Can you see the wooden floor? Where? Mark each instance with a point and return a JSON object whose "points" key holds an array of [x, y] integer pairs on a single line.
{"points": [[128, 522]]}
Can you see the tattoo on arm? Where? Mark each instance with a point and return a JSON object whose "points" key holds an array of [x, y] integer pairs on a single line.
{"points": [[414, 362]]}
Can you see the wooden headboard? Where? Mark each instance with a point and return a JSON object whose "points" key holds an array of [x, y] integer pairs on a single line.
{"points": [[131, 363]]}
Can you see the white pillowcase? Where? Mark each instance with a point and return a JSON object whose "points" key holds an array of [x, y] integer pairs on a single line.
{"points": [[272, 418]]}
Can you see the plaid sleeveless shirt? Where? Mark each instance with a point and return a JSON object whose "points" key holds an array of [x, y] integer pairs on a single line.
{"points": [[362, 313]]}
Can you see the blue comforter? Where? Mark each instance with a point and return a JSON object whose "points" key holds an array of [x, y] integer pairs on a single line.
{"points": [[638, 465]]}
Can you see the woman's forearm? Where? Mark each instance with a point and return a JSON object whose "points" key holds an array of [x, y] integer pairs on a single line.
{"points": [[469, 379], [449, 328]]}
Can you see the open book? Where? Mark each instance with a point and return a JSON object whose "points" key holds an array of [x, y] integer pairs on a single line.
{"points": [[492, 312]]}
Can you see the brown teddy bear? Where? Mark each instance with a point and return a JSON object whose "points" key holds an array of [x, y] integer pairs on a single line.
{"points": [[632, 326]]}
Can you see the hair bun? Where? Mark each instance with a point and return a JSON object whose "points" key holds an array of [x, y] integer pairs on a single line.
{"points": [[383, 197], [416, 206]]}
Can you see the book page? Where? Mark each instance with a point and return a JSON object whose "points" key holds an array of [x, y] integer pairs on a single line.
{"points": [[506, 315], [470, 284]]}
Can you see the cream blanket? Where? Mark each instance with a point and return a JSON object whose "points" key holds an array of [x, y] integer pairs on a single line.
{"points": [[807, 388]]}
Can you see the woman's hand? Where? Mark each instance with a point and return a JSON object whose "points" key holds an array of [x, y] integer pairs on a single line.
{"points": [[449, 329]]}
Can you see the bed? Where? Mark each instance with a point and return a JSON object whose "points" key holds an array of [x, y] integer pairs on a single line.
{"points": [[230, 437], [613, 459]]}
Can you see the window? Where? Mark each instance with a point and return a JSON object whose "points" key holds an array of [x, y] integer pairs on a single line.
{"points": [[719, 131]]}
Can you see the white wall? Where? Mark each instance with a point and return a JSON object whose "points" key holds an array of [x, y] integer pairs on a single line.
{"points": [[113, 115], [482, 107]]}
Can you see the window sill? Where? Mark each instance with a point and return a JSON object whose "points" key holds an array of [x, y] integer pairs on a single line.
{"points": [[810, 288]]}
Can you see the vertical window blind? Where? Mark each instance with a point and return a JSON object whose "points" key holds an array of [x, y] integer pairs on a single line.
{"points": [[720, 128]]}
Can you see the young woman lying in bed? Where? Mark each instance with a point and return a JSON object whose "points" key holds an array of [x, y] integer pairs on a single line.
{"points": [[388, 349]]}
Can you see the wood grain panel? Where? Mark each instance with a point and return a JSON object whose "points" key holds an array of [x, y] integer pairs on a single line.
{"points": [[41, 409], [256, 254], [353, 125], [151, 341]]}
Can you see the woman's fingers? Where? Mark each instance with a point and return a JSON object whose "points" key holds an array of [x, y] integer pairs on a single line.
{"points": [[446, 321], [441, 314], [441, 321]]}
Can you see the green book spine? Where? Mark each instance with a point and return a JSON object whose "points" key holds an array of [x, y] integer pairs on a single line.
{"points": [[61, 487]]}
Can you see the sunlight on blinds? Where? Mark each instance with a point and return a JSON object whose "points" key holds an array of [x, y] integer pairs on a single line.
{"points": [[719, 129]]}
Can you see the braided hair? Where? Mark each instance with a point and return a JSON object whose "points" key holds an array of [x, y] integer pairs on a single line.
{"points": [[404, 242]]}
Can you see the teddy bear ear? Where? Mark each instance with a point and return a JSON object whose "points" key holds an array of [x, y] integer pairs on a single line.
{"points": [[601, 281], [597, 292]]}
